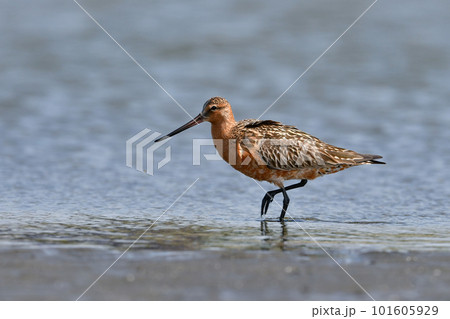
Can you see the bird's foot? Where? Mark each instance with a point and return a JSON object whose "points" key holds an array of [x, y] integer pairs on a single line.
{"points": [[268, 198]]}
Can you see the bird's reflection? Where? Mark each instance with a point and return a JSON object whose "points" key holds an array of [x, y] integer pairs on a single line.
{"points": [[271, 237]]}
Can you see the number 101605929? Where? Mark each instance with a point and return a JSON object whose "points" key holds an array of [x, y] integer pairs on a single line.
{"points": [[405, 310]]}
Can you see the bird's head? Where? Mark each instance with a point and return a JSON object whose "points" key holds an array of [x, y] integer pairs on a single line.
{"points": [[215, 110]]}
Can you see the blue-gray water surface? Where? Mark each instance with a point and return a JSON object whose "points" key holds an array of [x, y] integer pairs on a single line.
{"points": [[70, 98]]}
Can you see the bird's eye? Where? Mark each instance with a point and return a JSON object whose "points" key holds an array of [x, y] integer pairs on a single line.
{"points": [[213, 108]]}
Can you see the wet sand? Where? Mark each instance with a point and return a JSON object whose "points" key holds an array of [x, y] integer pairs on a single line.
{"points": [[63, 274]]}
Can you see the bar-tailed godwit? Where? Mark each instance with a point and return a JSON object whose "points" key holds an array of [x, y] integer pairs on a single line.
{"points": [[270, 151]]}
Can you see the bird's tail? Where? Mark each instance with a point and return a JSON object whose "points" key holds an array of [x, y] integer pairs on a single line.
{"points": [[371, 159]]}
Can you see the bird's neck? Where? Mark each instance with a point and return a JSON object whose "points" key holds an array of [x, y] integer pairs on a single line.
{"points": [[222, 133], [222, 129]]}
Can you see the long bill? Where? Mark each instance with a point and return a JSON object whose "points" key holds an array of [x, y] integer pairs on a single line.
{"points": [[197, 120]]}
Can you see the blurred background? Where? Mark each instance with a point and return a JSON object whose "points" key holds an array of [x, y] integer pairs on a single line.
{"points": [[70, 98]]}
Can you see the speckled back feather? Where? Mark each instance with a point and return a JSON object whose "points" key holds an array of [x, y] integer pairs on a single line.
{"points": [[284, 147]]}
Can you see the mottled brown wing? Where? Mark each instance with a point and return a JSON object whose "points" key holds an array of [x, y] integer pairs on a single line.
{"points": [[285, 147]]}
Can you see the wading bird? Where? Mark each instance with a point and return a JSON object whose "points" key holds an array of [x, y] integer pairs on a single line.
{"points": [[272, 152]]}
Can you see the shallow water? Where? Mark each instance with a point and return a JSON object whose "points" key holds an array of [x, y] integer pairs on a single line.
{"points": [[70, 99]]}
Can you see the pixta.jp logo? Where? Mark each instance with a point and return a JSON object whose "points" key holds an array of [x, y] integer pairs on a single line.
{"points": [[140, 149]]}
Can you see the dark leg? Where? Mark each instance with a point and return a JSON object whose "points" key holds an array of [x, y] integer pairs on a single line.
{"points": [[268, 198], [285, 204]]}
